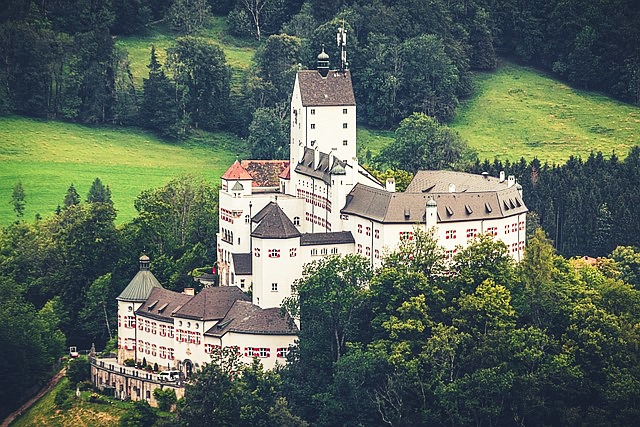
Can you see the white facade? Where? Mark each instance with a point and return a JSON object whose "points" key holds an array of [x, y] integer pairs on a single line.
{"points": [[324, 190]]}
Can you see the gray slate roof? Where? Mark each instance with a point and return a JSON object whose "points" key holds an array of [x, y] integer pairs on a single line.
{"points": [[242, 264], [437, 181], [162, 303], [211, 303], [273, 223], [409, 207], [324, 170], [247, 318], [335, 89], [141, 285], [334, 238]]}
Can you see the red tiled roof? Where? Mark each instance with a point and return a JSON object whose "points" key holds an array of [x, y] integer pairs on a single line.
{"points": [[265, 173], [236, 171], [286, 173]]}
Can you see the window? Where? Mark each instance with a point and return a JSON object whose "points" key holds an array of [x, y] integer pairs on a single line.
{"points": [[344, 125], [170, 331], [314, 252], [367, 251], [241, 283], [334, 251], [449, 254], [376, 254], [293, 252], [492, 231], [506, 229], [274, 287], [163, 352], [153, 328], [140, 325], [147, 326], [344, 111], [368, 231], [130, 322], [274, 253], [345, 142], [514, 227], [153, 349], [209, 348], [313, 125], [514, 247], [521, 225], [359, 248], [247, 219], [256, 252], [450, 234], [313, 111], [170, 353], [147, 348], [472, 232], [360, 228], [282, 352], [376, 234], [257, 352], [296, 220], [163, 330]]}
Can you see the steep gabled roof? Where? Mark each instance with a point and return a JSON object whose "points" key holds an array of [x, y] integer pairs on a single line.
{"points": [[162, 303], [325, 167], [242, 264], [247, 318], [409, 208], [236, 171], [211, 303], [141, 285], [273, 223], [335, 89]]}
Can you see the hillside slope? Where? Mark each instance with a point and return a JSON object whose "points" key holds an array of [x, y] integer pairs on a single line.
{"points": [[517, 111], [48, 156]]}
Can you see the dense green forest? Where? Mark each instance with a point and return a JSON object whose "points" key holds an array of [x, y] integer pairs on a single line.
{"points": [[481, 342]]}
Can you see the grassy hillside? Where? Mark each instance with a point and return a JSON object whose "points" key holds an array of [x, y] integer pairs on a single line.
{"points": [[239, 53], [517, 112], [48, 156], [83, 413]]}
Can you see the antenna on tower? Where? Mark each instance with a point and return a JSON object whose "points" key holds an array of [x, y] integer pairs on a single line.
{"points": [[341, 39]]}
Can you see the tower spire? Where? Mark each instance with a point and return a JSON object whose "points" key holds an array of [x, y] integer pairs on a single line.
{"points": [[341, 39]]}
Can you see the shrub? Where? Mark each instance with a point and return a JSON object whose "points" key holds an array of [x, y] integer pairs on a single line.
{"points": [[165, 398], [64, 399], [129, 362], [78, 370]]}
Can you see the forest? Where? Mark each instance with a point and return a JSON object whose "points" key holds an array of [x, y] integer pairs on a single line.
{"points": [[544, 342]]}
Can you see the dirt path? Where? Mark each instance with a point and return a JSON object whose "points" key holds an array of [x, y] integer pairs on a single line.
{"points": [[44, 390]]}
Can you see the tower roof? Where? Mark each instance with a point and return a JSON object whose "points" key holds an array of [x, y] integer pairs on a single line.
{"points": [[335, 89], [274, 224], [141, 285], [236, 171]]}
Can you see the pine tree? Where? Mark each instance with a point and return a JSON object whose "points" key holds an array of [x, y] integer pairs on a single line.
{"points": [[72, 197], [159, 109]]}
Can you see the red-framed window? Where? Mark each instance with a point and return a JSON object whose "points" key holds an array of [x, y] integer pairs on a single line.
{"points": [[274, 253]]}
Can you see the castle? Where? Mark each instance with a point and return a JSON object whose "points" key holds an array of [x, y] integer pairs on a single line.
{"points": [[278, 215]]}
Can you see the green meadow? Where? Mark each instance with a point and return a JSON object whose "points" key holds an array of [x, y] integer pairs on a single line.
{"points": [[520, 112], [48, 156]]}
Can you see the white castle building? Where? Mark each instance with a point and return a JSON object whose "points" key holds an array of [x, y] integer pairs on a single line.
{"points": [[276, 216]]}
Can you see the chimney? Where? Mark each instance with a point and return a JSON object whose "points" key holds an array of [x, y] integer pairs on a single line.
{"points": [[391, 185], [188, 291], [452, 188], [316, 157], [501, 176], [485, 175], [511, 180]]}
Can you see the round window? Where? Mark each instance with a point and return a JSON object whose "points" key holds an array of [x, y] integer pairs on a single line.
{"points": [[130, 308]]}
